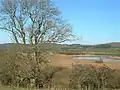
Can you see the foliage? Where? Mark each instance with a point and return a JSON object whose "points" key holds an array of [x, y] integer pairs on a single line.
{"points": [[91, 77], [21, 68]]}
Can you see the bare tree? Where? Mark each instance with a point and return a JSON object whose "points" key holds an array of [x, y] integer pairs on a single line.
{"points": [[33, 21]]}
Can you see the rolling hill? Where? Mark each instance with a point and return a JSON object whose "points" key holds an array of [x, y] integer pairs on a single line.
{"points": [[68, 46]]}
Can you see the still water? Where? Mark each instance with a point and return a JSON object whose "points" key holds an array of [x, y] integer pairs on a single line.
{"points": [[104, 58]]}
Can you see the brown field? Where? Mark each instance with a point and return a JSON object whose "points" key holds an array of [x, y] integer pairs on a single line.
{"points": [[66, 61], [62, 77]]}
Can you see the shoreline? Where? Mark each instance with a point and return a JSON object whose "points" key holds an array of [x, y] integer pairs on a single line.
{"points": [[66, 61], [106, 56]]}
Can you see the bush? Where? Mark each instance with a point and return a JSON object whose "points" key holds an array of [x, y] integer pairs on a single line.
{"points": [[21, 68], [91, 77]]}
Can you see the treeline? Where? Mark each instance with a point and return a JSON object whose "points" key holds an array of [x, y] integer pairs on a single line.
{"points": [[103, 46]]}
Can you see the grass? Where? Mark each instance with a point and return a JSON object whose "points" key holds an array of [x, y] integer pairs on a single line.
{"points": [[3, 88], [7, 88], [61, 79]]}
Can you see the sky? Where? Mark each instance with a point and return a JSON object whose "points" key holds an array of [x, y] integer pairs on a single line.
{"points": [[96, 21]]}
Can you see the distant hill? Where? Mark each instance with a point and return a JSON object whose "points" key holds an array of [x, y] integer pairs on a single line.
{"points": [[70, 46], [103, 46], [47, 46], [115, 44], [6, 45], [109, 45]]}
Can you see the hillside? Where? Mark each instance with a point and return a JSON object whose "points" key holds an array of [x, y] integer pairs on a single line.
{"points": [[68, 46], [115, 44]]}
